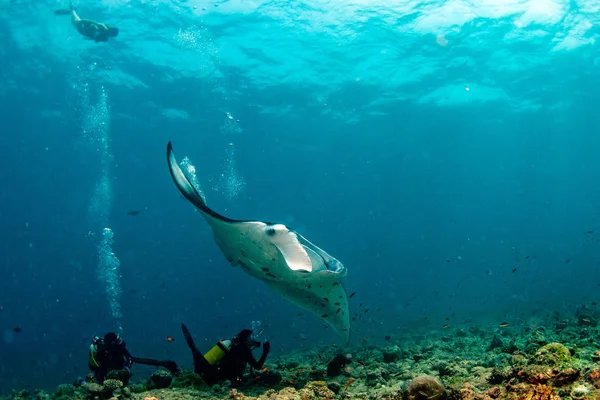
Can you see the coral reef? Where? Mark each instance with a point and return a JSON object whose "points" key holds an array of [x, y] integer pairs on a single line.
{"points": [[560, 360], [425, 388], [161, 379]]}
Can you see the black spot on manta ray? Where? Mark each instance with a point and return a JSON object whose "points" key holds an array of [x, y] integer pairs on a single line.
{"points": [[271, 231], [265, 269], [271, 275]]}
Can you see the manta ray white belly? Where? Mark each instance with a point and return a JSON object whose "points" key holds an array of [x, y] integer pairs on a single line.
{"points": [[291, 265]]}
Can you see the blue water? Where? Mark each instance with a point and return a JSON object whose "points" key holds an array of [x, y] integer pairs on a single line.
{"points": [[432, 147]]}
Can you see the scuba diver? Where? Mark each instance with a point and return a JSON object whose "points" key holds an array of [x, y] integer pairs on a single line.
{"points": [[228, 358], [110, 353], [91, 30]]}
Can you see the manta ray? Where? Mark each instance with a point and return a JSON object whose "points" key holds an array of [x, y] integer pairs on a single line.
{"points": [[287, 262]]}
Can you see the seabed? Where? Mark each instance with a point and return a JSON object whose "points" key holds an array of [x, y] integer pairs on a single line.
{"points": [[556, 360]]}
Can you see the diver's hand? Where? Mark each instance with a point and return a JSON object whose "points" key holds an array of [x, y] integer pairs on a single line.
{"points": [[266, 346]]}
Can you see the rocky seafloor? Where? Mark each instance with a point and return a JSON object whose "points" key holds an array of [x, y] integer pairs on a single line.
{"points": [[559, 360]]}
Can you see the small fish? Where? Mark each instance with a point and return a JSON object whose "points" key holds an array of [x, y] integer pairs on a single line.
{"points": [[261, 331], [387, 338], [265, 369], [338, 310], [299, 315], [361, 363], [527, 257], [352, 295], [446, 326], [504, 325], [514, 270], [324, 316], [350, 381], [448, 260], [447, 319], [170, 339], [133, 213], [326, 299], [366, 311], [17, 329]]}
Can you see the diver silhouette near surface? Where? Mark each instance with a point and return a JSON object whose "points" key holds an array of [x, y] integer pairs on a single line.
{"points": [[90, 30]]}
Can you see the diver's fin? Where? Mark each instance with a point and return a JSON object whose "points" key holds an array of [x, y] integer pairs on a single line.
{"points": [[201, 366], [188, 339]]}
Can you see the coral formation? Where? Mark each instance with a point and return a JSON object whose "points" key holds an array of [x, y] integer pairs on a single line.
{"points": [[161, 379], [425, 388]]}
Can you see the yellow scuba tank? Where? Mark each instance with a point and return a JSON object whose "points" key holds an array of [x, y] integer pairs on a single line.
{"points": [[219, 350]]}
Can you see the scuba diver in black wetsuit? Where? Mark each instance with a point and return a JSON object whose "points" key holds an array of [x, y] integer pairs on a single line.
{"points": [[110, 353], [91, 30], [228, 358]]}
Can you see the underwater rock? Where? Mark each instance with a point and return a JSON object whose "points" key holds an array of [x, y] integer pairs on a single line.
{"points": [[425, 387], [93, 388], [494, 392], [334, 387], [510, 347], [391, 354], [126, 392], [104, 391], [594, 378], [553, 354], [272, 378], [312, 391], [496, 343], [443, 368], [64, 391], [119, 375], [581, 391], [188, 379], [334, 368], [374, 378], [137, 388], [535, 340], [499, 375], [160, 379]]}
